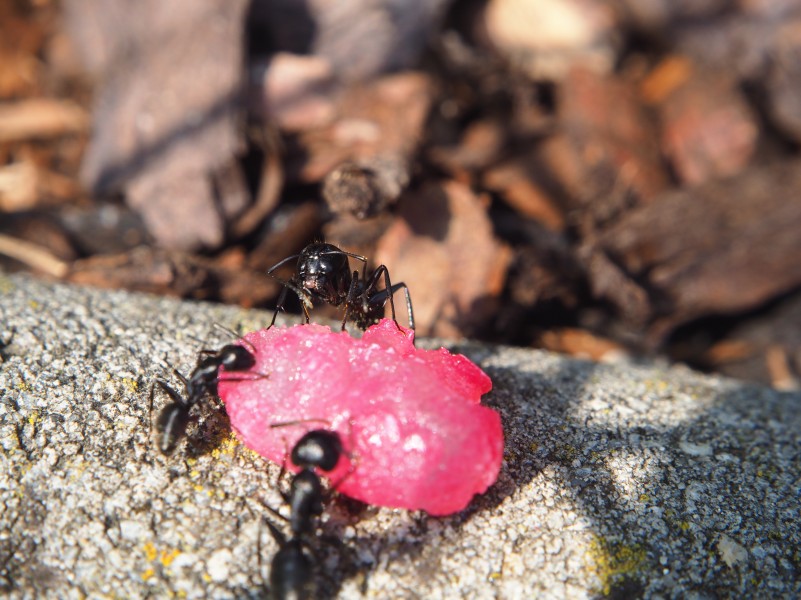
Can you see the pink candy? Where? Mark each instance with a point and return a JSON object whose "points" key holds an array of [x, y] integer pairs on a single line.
{"points": [[410, 420]]}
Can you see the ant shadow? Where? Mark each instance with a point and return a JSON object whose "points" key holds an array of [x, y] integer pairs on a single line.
{"points": [[212, 429]]}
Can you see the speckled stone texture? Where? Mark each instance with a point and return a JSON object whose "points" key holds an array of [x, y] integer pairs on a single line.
{"points": [[619, 480]]}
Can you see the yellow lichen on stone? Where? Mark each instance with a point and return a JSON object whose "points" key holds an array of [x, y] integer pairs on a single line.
{"points": [[612, 562], [167, 556], [656, 385], [150, 551], [130, 385], [566, 453], [227, 446]]}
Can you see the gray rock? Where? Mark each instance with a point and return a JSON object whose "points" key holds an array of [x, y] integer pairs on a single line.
{"points": [[619, 480]]}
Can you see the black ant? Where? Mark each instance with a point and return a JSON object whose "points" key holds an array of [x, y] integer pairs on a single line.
{"points": [[317, 449], [323, 272], [291, 571], [173, 419]]}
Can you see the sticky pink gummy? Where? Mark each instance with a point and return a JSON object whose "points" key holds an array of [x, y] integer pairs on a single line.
{"points": [[410, 420]]}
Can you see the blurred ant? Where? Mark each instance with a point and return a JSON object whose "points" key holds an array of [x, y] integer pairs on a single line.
{"points": [[323, 273], [292, 567], [173, 419]]}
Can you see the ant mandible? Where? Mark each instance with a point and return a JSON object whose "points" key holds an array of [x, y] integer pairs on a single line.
{"points": [[323, 272], [173, 419]]}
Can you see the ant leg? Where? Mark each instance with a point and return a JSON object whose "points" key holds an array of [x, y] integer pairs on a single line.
{"points": [[351, 297], [409, 310], [227, 330], [278, 536], [278, 305], [282, 474], [388, 291], [300, 422], [167, 389], [244, 377], [234, 335], [303, 297], [380, 299], [275, 512], [178, 374]]}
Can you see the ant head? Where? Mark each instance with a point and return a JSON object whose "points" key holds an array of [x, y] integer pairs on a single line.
{"points": [[324, 270], [318, 448], [236, 358]]}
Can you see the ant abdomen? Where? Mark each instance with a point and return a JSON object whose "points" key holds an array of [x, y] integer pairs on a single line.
{"points": [[171, 427], [292, 573]]}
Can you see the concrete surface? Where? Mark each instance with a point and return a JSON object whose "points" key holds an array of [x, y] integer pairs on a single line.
{"points": [[619, 481]]}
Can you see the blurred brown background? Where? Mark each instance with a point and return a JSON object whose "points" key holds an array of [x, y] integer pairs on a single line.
{"points": [[600, 178]]}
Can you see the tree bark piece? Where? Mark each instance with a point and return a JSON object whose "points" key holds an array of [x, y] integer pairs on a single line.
{"points": [[167, 108], [724, 247]]}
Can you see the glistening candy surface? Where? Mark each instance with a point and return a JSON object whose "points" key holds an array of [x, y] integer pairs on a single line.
{"points": [[410, 419]]}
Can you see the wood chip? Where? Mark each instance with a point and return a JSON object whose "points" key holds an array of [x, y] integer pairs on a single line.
{"points": [[442, 246], [40, 118]]}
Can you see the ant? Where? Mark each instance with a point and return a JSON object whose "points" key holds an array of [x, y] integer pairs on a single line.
{"points": [[173, 419], [318, 448], [323, 273], [291, 571]]}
